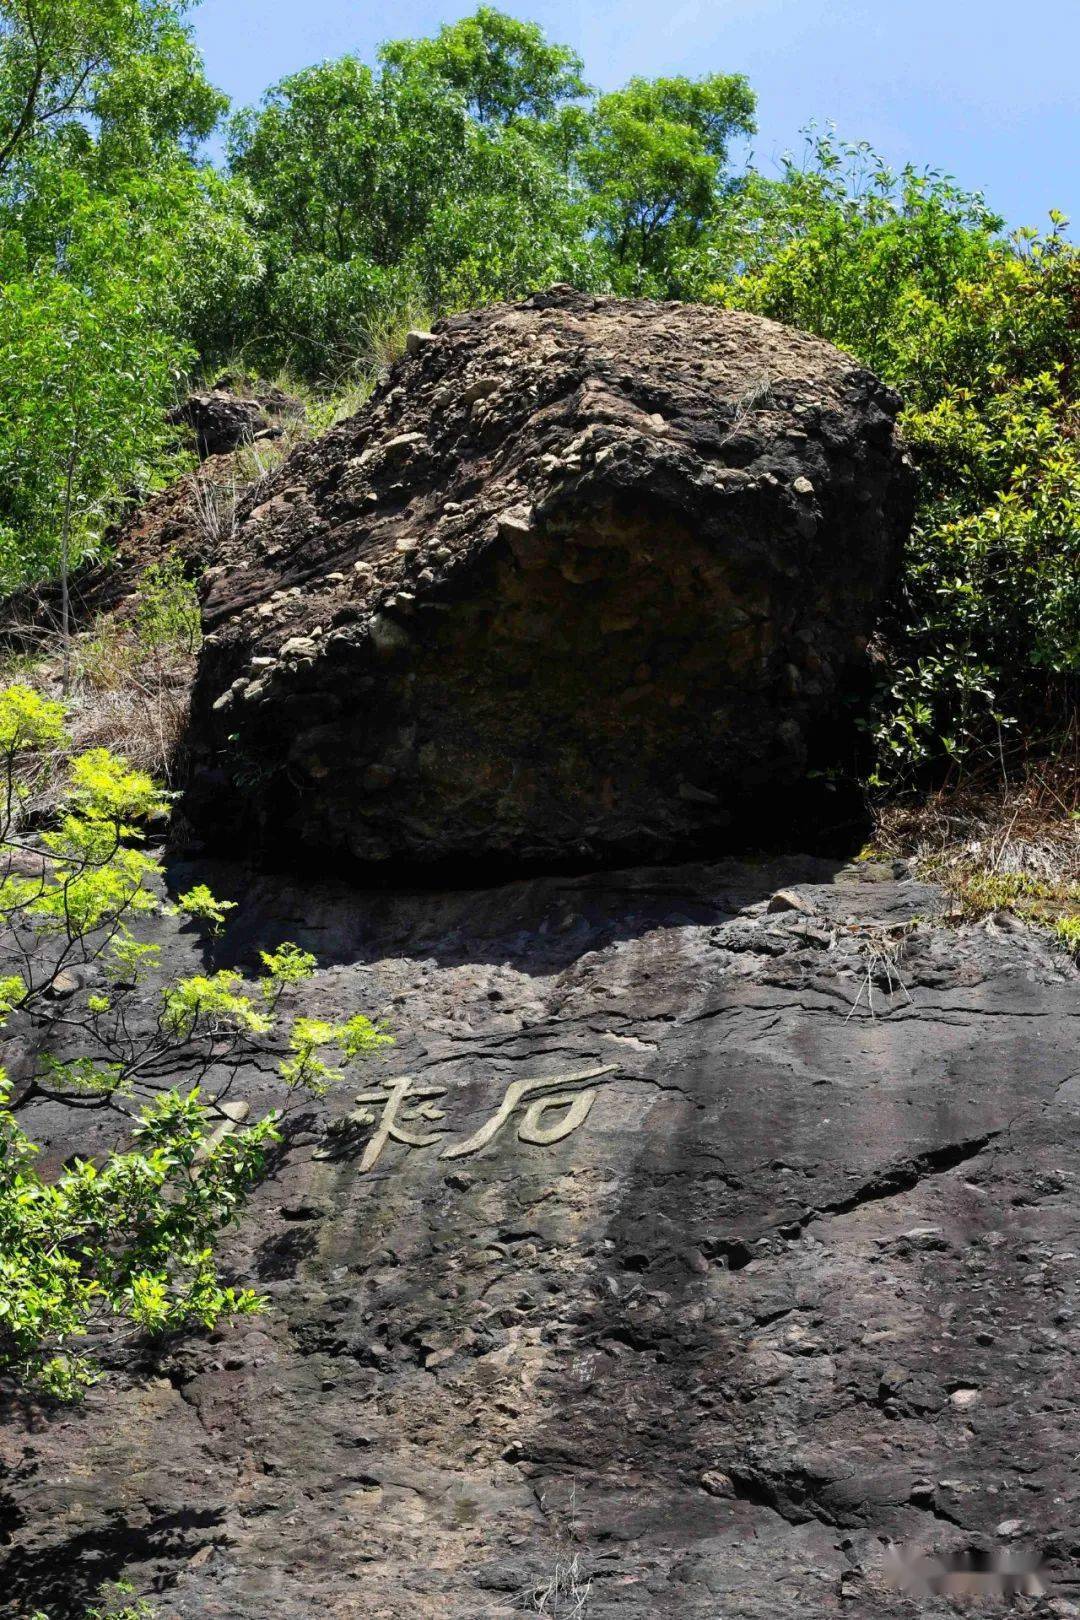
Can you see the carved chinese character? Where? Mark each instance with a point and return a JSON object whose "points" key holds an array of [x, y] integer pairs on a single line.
{"points": [[402, 1105], [233, 1115], [550, 1095]]}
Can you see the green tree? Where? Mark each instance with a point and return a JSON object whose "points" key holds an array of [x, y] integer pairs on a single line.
{"points": [[505, 69], [115, 251], [123, 75], [655, 163], [344, 169], [86, 369], [132, 1234], [379, 189], [471, 167], [979, 333]]}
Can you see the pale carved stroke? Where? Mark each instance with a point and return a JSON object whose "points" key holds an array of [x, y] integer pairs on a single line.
{"points": [[516, 1092], [402, 1105]]}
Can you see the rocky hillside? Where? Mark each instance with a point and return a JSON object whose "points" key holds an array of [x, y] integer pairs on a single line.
{"points": [[587, 579], [707, 1245], [699, 1279]]}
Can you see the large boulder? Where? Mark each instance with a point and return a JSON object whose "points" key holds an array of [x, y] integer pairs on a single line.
{"points": [[585, 579]]}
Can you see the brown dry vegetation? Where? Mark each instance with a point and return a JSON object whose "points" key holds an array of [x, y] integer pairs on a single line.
{"points": [[1011, 844]]}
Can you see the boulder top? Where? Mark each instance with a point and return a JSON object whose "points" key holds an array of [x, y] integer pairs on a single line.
{"points": [[560, 531]]}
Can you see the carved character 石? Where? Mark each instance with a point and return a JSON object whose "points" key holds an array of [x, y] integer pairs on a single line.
{"points": [[550, 1094]]}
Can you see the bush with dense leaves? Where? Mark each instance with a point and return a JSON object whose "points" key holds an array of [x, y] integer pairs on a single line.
{"points": [[981, 335], [133, 1234]]}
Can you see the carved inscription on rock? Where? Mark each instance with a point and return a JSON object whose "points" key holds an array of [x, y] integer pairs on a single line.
{"points": [[402, 1110]]}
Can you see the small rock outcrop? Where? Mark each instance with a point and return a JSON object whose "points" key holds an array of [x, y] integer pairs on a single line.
{"points": [[583, 580], [232, 414], [184, 521], [178, 522]]}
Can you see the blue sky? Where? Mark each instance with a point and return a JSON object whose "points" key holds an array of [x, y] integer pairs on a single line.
{"points": [[988, 90]]}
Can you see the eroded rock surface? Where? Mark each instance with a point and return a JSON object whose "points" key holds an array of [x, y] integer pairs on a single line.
{"points": [[584, 580], [233, 413], [799, 1290]]}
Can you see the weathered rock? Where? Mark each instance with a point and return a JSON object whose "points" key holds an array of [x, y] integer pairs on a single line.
{"points": [[225, 417], [584, 579], [790, 1308], [186, 520]]}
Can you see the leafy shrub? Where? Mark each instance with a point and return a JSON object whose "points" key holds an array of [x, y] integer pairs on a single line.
{"points": [[167, 616], [133, 1236], [980, 334]]}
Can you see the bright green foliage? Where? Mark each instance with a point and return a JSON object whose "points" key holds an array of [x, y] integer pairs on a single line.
{"points": [[133, 1235], [127, 961], [309, 1037], [29, 723], [521, 223], [124, 71], [980, 335], [504, 69], [212, 1003], [359, 1037], [844, 247], [200, 904], [304, 1066], [1049, 901], [111, 241], [106, 789], [86, 370], [93, 878], [379, 189], [167, 617], [285, 966], [113, 1603], [654, 162]]}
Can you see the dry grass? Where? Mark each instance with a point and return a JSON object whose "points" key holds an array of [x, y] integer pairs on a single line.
{"points": [[131, 686], [382, 342], [214, 500], [218, 486], [351, 397], [879, 949], [132, 699], [1008, 846], [385, 332], [565, 1594]]}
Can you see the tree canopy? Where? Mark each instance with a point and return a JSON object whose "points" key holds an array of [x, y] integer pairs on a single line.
{"points": [[504, 69], [116, 79]]}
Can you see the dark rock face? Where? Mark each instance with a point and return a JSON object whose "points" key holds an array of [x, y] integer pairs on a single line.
{"points": [[788, 1308], [583, 580], [223, 418]]}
